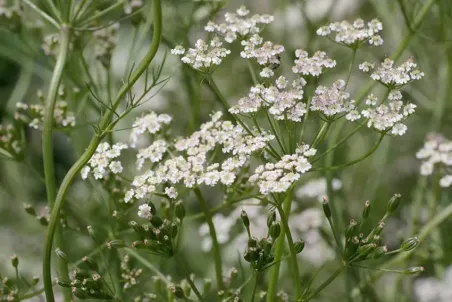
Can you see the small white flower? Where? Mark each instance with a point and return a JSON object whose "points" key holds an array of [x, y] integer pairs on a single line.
{"points": [[144, 211], [354, 34], [312, 65], [171, 192]]}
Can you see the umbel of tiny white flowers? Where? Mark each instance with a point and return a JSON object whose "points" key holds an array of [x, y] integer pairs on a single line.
{"points": [[283, 101], [190, 162], [437, 153], [353, 35], [102, 162], [393, 77], [278, 177], [311, 65]]}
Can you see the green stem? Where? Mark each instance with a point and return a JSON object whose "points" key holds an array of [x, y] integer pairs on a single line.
{"points": [[148, 264], [80, 163], [256, 279], [344, 165], [279, 251], [277, 135], [215, 246], [190, 282], [47, 144], [321, 134], [326, 283], [351, 67], [293, 253]]}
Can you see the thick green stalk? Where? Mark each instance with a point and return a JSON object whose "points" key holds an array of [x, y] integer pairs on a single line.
{"points": [[293, 254], [47, 144], [215, 246], [279, 250], [104, 125]]}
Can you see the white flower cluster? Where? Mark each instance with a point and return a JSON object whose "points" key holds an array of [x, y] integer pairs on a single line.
{"points": [[154, 153], [354, 34], [131, 6], [390, 116], [317, 188], [432, 289], [193, 168], [150, 123], [10, 140], [102, 162], [10, 8], [238, 25], [312, 65], [204, 55], [33, 114], [277, 178], [392, 76], [266, 53], [51, 45], [282, 101], [437, 151], [105, 40], [334, 100]]}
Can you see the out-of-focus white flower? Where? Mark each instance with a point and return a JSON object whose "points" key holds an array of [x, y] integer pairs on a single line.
{"points": [[437, 152], [238, 25], [317, 188], [144, 211], [223, 226], [434, 290]]}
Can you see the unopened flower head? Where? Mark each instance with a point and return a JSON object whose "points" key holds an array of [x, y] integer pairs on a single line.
{"points": [[105, 40], [355, 34]]}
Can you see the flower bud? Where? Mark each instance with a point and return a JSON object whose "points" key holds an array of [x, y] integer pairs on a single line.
{"points": [[177, 291], [299, 246], [79, 293], [271, 218], [92, 234], [43, 220], [115, 243], [379, 229], [34, 280], [174, 229], [61, 255], [29, 209], [366, 249], [413, 270], [119, 217], [266, 245], [245, 219], [137, 228], [393, 203], [207, 284], [275, 229], [366, 209], [410, 244], [15, 261], [63, 282], [379, 252], [90, 263], [252, 242], [180, 210], [326, 209], [349, 232], [156, 221]]}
